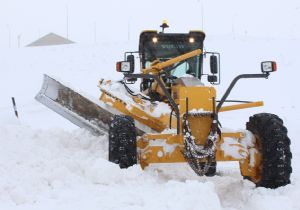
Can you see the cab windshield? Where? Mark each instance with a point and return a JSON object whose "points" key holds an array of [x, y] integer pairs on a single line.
{"points": [[164, 49], [187, 67]]}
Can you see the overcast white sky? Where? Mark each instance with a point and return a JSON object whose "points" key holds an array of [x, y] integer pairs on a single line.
{"points": [[122, 20]]}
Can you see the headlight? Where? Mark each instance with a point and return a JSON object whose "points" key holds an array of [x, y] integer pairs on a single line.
{"points": [[268, 66], [124, 66], [154, 39], [191, 40]]}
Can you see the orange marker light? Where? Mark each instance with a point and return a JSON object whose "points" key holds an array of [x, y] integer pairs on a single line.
{"points": [[274, 66], [118, 66]]}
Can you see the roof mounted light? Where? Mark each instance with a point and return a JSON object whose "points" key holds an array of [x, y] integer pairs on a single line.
{"points": [[164, 25]]}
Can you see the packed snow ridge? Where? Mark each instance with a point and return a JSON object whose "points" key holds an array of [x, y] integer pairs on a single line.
{"points": [[47, 169]]}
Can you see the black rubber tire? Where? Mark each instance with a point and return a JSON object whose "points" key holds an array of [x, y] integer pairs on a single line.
{"points": [[275, 149], [212, 169], [122, 141]]}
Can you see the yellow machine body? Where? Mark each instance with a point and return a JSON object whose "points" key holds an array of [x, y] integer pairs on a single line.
{"points": [[163, 146]]}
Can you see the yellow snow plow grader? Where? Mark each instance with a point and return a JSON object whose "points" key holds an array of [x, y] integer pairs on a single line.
{"points": [[173, 118]]}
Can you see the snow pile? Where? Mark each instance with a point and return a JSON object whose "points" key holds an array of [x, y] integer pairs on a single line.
{"points": [[58, 167], [117, 89], [35, 162], [232, 149]]}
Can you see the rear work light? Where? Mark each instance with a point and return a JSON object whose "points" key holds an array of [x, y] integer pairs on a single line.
{"points": [[268, 66]]}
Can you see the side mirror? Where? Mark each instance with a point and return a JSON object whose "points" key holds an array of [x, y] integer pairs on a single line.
{"points": [[212, 78], [130, 59], [268, 66], [213, 64]]}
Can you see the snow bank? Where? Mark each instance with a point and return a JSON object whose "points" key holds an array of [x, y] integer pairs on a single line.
{"points": [[57, 169]]}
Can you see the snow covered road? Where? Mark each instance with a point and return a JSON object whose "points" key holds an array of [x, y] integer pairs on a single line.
{"points": [[57, 169]]}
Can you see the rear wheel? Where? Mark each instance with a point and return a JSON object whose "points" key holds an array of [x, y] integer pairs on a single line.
{"points": [[273, 144], [212, 168], [122, 141]]}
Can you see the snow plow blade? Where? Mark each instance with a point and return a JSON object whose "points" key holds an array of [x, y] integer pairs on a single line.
{"points": [[73, 106]]}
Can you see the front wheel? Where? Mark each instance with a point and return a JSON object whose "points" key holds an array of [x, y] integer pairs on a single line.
{"points": [[273, 144], [122, 141]]}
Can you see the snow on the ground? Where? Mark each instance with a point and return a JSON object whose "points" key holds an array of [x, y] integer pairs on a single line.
{"points": [[57, 169], [47, 163]]}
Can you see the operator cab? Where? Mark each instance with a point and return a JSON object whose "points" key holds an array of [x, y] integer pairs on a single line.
{"points": [[159, 47], [164, 46]]}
